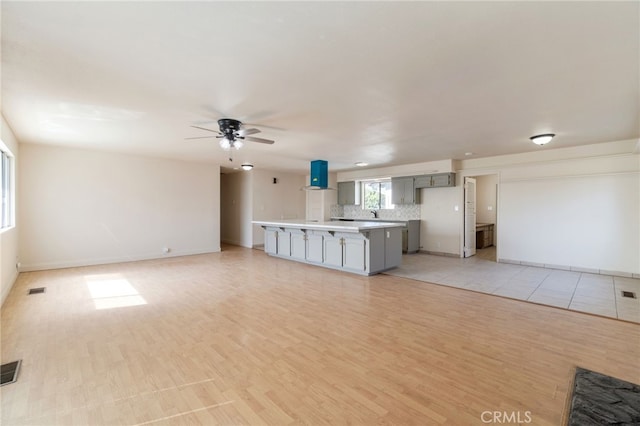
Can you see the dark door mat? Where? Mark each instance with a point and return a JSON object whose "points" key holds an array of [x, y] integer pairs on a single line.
{"points": [[9, 372], [603, 400]]}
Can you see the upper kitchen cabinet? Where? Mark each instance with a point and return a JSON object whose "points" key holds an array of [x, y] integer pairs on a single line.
{"points": [[347, 193], [403, 191], [439, 180]]}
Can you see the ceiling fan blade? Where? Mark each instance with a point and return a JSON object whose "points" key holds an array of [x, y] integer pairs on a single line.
{"points": [[202, 137], [247, 132], [204, 128], [252, 139], [265, 126]]}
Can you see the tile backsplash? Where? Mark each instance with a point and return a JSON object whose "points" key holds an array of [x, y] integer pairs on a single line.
{"points": [[401, 212]]}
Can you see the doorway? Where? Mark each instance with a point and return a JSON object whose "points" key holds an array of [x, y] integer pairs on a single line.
{"points": [[481, 216]]}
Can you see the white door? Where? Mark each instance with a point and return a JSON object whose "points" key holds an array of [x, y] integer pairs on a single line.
{"points": [[469, 217]]}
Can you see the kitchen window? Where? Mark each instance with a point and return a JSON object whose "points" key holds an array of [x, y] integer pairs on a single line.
{"points": [[376, 194]]}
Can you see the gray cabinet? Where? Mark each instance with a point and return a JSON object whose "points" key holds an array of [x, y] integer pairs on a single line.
{"points": [[366, 252], [315, 247], [298, 244], [443, 180], [284, 242], [348, 193], [392, 238], [438, 180], [403, 191], [332, 252], [354, 252], [413, 236], [271, 240], [484, 235]]}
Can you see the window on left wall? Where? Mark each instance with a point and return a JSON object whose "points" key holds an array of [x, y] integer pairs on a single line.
{"points": [[7, 172]]}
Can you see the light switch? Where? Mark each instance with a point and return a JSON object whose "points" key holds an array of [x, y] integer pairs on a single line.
{"points": [[456, 208], [489, 208]]}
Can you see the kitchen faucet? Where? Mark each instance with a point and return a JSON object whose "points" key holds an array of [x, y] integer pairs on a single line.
{"points": [[375, 213]]}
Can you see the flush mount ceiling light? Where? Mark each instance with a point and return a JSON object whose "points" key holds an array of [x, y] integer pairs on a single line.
{"points": [[542, 139], [361, 164], [247, 166]]}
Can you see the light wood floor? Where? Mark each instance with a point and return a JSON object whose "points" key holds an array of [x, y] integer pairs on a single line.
{"points": [[240, 338]]}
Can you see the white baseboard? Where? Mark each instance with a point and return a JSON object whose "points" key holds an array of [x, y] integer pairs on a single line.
{"points": [[6, 290], [571, 268], [104, 261]]}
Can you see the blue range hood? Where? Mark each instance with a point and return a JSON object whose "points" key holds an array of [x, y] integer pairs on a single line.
{"points": [[319, 176]]}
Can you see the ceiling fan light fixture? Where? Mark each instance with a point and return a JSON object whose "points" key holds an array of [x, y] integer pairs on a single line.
{"points": [[237, 144], [225, 143], [247, 166], [542, 139]]}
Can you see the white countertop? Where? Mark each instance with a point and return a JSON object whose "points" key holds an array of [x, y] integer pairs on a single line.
{"points": [[373, 219], [350, 226]]}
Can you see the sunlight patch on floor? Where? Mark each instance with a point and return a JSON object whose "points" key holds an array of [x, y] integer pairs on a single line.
{"points": [[113, 291]]}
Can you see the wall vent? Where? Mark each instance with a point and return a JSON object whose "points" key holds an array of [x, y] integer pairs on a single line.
{"points": [[37, 290], [9, 372], [629, 294]]}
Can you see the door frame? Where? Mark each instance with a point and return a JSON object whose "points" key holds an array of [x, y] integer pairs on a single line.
{"points": [[475, 174], [469, 245]]}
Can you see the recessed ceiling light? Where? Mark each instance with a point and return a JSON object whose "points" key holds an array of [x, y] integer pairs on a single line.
{"points": [[468, 153], [542, 139], [361, 164], [247, 166]]}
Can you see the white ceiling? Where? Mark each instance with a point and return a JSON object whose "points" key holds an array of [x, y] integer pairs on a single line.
{"points": [[383, 82]]}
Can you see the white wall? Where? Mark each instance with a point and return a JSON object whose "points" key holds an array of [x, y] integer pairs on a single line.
{"points": [[583, 221], [252, 195], [440, 221], [486, 201], [236, 208], [282, 200], [486, 192], [9, 237], [80, 207], [319, 202], [571, 207]]}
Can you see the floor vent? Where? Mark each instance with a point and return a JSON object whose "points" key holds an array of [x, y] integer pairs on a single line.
{"points": [[36, 290], [630, 294], [9, 372]]}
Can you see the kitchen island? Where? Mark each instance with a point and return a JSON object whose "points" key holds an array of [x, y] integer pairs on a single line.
{"points": [[361, 247]]}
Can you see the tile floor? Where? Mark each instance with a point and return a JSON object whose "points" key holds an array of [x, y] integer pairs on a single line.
{"points": [[577, 291]]}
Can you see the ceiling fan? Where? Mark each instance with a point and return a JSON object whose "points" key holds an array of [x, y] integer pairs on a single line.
{"points": [[232, 134]]}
